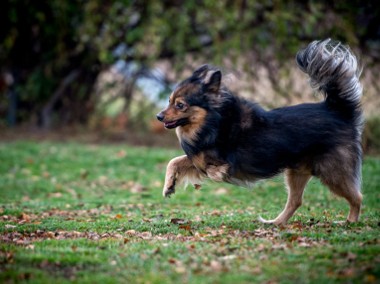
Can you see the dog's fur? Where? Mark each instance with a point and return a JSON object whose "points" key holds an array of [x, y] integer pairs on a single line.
{"points": [[227, 138]]}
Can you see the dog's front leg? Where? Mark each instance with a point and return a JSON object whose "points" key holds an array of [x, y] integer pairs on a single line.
{"points": [[180, 169], [217, 173]]}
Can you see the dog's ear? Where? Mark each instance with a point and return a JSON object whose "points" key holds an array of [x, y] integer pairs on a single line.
{"points": [[201, 71], [214, 81]]}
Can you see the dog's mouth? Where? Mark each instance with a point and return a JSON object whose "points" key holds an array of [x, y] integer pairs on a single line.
{"points": [[175, 123]]}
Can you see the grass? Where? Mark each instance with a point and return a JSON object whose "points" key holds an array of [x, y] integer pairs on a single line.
{"points": [[95, 214]]}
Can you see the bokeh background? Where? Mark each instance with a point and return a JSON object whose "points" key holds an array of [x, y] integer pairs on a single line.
{"points": [[100, 70]]}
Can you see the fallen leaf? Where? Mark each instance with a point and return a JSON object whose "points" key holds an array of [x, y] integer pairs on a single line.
{"points": [[186, 227], [84, 173], [172, 261], [25, 217], [216, 213], [137, 188], [31, 247], [221, 191], [55, 194], [260, 247], [257, 270], [145, 235], [46, 174], [102, 180], [228, 257], [157, 183], [118, 216], [197, 186], [350, 256], [8, 226], [25, 198], [348, 272], [180, 269], [370, 278], [216, 266], [178, 221], [296, 225], [121, 154]]}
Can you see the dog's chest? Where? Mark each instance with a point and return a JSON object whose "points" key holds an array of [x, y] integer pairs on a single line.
{"points": [[199, 161]]}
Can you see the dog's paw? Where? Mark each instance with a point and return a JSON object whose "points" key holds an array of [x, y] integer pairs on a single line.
{"points": [[271, 222], [168, 191]]}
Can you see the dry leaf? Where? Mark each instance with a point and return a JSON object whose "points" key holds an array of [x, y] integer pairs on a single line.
{"points": [[25, 217], [121, 154], [228, 257], [351, 256], [131, 232], [137, 188], [31, 247], [118, 216], [8, 226], [185, 227], [84, 173], [178, 221], [221, 191], [172, 261], [370, 278], [216, 266], [348, 272], [257, 270], [55, 194]]}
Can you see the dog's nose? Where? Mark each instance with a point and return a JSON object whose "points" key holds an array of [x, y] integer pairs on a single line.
{"points": [[160, 116]]}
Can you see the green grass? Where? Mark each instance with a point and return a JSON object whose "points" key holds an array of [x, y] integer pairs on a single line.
{"points": [[95, 214]]}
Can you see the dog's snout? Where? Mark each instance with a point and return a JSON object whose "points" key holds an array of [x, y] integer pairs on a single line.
{"points": [[160, 116]]}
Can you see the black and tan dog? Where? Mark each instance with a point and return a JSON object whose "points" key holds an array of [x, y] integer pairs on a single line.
{"points": [[227, 138]]}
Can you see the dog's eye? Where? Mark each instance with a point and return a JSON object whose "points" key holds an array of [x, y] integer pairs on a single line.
{"points": [[179, 106]]}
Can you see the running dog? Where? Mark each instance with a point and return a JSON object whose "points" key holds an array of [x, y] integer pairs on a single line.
{"points": [[229, 139]]}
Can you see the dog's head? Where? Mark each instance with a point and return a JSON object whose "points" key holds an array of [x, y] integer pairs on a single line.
{"points": [[190, 101]]}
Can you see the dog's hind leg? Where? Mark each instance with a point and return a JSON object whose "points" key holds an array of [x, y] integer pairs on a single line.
{"points": [[179, 170], [350, 190], [342, 175], [296, 182]]}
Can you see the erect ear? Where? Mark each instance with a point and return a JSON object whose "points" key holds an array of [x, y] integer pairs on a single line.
{"points": [[201, 72], [213, 83]]}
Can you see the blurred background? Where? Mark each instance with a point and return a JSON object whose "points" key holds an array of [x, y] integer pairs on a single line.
{"points": [[99, 71]]}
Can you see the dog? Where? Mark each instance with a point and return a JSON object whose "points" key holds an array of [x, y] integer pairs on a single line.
{"points": [[229, 139]]}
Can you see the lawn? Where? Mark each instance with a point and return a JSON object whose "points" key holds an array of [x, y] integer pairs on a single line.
{"points": [[95, 214]]}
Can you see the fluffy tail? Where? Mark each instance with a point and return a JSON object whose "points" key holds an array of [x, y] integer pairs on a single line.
{"points": [[334, 71]]}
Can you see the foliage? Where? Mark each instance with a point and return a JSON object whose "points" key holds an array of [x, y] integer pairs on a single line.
{"points": [[95, 214], [371, 135], [45, 42]]}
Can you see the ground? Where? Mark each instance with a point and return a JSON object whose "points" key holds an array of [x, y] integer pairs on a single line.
{"points": [[84, 213]]}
